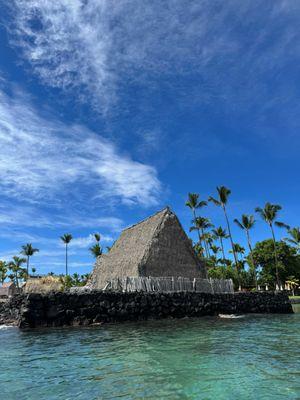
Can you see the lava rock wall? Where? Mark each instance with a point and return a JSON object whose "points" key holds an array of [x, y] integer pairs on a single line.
{"points": [[88, 308]]}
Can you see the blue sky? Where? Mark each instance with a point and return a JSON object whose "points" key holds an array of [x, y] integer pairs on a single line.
{"points": [[110, 110]]}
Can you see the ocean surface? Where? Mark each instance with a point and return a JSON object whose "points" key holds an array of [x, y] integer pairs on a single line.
{"points": [[255, 357]]}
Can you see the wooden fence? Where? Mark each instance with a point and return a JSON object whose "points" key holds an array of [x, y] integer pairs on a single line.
{"points": [[170, 284]]}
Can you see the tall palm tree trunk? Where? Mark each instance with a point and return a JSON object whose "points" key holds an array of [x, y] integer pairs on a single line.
{"points": [[222, 247], [17, 280], [66, 259], [275, 256], [251, 256], [27, 267], [230, 236], [205, 244], [198, 230]]}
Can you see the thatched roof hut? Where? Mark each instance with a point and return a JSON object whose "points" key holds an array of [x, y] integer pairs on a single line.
{"points": [[157, 247], [44, 284]]}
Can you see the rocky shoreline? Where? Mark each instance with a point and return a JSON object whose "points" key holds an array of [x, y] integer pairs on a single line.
{"points": [[94, 307]]}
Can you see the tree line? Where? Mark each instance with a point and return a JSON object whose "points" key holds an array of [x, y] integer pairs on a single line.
{"points": [[18, 269], [270, 262]]}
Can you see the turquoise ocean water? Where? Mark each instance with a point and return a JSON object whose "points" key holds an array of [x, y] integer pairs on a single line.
{"points": [[256, 357]]}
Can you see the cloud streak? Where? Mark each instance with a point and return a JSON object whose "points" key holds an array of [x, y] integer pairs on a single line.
{"points": [[45, 160], [95, 48]]}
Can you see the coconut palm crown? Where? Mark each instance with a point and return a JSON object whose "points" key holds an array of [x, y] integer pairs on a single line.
{"points": [[223, 194], [66, 238], [194, 203], [96, 250], [294, 237], [28, 251], [200, 224], [97, 237]]}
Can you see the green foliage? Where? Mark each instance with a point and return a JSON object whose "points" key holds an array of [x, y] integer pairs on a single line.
{"points": [[193, 201], [18, 272], [66, 238], [3, 271], [69, 281], [294, 238], [223, 194], [28, 250], [247, 222], [97, 237], [96, 250], [287, 258]]}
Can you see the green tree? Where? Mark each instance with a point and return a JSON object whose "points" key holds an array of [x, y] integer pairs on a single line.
{"points": [[66, 238], [33, 270], [201, 224], [246, 224], [293, 283], [288, 262], [269, 214], [220, 234], [96, 249], [97, 237], [76, 279], [221, 201], [194, 203], [239, 250], [294, 238], [15, 267], [28, 251], [3, 271]]}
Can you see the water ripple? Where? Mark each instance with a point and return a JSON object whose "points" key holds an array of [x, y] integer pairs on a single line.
{"points": [[252, 358]]}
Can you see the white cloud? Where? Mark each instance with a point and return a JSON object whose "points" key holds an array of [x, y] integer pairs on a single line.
{"points": [[43, 159], [93, 46], [87, 241], [96, 47]]}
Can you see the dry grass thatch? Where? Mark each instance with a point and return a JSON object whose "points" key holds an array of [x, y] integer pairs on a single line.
{"points": [[157, 247], [44, 285]]}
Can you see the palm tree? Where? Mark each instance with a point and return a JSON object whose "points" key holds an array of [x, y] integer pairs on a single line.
{"points": [[97, 237], [16, 267], [28, 251], [223, 194], [269, 214], [294, 237], [247, 222], [293, 283], [201, 224], [96, 250], [66, 238], [221, 234], [194, 203], [33, 270], [238, 249], [3, 271], [215, 249]]}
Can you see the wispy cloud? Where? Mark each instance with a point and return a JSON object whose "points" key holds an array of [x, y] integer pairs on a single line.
{"points": [[43, 159], [85, 242]]}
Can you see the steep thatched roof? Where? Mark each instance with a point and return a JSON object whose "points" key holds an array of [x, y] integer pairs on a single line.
{"points": [[157, 246]]}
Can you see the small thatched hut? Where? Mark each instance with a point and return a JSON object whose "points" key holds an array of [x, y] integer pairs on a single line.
{"points": [[157, 247], [44, 284]]}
